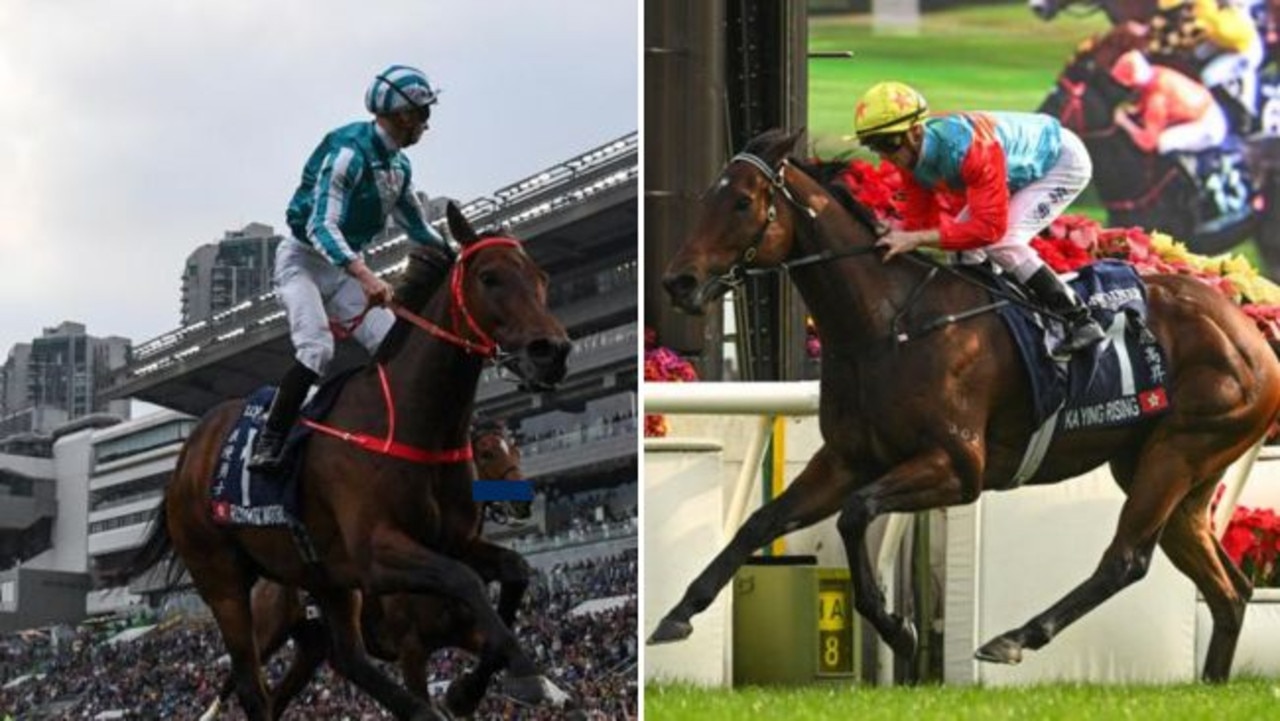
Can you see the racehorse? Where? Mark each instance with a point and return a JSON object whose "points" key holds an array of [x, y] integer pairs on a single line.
{"points": [[934, 421], [1118, 11], [402, 627], [1152, 190], [378, 523]]}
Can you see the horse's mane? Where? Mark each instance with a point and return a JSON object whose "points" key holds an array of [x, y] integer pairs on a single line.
{"points": [[826, 172]]}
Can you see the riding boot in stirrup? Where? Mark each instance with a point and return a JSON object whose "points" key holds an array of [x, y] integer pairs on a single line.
{"points": [[1082, 330], [268, 447]]}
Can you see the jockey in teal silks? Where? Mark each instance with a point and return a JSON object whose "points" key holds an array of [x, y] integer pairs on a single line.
{"points": [[353, 180]]}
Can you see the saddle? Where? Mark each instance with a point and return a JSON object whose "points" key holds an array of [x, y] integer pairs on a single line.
{"points": [[240, 497]]}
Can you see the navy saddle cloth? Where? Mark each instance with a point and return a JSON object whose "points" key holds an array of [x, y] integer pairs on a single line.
{"points": [[240, 497], [1118, 381]]}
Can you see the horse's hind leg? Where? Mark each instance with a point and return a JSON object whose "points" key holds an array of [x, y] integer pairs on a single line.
{"points": [[231, 611], [925, 482], [1189, 542], [814, 495], [1162, 480], [342, 612]]}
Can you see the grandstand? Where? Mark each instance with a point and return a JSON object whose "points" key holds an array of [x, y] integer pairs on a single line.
{"points": [[79, 503]]}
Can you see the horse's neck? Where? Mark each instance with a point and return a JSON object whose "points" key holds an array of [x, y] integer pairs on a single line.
{"points": [[1128, 172], [854, 297], [433, 385]]}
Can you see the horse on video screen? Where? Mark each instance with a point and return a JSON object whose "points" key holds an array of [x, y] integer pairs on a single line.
{"points": [[933, 421], [1158, 191], [393, 516]]}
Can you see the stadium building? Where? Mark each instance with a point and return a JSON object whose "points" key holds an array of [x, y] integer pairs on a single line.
{"points": [[98, 484]]}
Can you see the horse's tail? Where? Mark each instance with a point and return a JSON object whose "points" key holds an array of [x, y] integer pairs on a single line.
{"points": [[157, 549]]}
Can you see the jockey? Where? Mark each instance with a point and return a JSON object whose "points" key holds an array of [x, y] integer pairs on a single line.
{"points": [[354, 178], [1228, 40], [1178, 113], [1018, 171]]}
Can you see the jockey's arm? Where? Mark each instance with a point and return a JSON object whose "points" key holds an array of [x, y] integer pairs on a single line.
{"points": [[987, 200], [1155, 118]]}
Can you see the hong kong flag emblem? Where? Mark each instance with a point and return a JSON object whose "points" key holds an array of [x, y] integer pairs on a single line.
{"points": [[1153, 400], [221, 511]]}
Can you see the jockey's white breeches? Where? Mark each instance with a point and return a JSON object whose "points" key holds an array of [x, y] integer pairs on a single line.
{"points": [[313, 290], [1034, 207]]}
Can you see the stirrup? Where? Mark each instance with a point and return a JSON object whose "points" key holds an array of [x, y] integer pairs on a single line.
{"points": [[1080, 336], [268, 453]]}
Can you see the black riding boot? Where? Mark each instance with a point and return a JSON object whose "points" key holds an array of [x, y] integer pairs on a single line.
{"points": [[427, 270], [284, 411], [1082, 330]]}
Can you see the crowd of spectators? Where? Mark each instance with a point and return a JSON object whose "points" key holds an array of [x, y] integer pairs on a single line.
{"points": [[174, 671]]}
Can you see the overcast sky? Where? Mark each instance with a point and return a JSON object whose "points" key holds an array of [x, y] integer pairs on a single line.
{"points": [[132, 131]]}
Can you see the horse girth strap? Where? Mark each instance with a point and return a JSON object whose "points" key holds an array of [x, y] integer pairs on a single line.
{"points": [[389, 446]]}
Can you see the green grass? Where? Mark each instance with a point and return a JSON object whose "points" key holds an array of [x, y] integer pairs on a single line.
{"points": [[983, 57], [1241, 700], [988, 57]]}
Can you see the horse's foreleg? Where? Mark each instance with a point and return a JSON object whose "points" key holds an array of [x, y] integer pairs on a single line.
{"points": [[508, 568], [310, 649], [814, 495], [1162, 479], [925, 482], [400, 565], [342, 612]]}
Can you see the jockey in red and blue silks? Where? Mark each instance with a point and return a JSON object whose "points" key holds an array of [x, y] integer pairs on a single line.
{"points": [[1016, 172]]}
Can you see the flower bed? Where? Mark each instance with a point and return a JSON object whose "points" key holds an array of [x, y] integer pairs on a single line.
{"points": [[664, 365]]}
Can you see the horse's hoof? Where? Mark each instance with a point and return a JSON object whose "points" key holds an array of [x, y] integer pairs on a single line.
{"points": [[905, 642], [461, 699], [1002, 649], [670, 630], [527, 690]]}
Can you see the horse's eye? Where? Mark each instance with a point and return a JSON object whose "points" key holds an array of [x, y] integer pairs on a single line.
{"points": [[742, 203], [490, 279]]}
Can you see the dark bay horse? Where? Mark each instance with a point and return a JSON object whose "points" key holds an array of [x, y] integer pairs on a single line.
{"points": [[1150, 190], [407, 628], [1118, 11], [379, 523], [938, 420]]}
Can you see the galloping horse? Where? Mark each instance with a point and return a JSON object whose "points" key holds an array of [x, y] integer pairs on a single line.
{"points": [[1141, 189], [378, 523], [404, 627], [935, 421], [1118, 11]]}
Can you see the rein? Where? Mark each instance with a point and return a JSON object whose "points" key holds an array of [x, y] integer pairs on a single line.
{"points": [[738, 272]]}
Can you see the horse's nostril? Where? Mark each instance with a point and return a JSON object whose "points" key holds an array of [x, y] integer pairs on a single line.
{"points": [[680, 284]]}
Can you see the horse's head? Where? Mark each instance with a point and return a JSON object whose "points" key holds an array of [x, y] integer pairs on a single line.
{"points": [[497, 458], [745, 218], [1085, 96], [501, 295]]}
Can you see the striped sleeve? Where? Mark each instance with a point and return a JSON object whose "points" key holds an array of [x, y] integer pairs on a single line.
{"points": [[410, 215], [338, 175]]}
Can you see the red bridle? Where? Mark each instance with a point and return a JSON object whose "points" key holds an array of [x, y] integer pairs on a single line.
{"points": [[482, 345]]}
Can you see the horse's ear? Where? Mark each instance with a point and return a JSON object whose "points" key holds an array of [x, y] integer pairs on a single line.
{"points": [[785, 145], [459, 226]]}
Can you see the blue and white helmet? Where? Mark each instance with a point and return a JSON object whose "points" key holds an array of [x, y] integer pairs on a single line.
{"points": [[397, 88]]}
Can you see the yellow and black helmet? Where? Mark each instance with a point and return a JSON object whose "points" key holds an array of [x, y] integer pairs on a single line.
{"points": [[888, 108]]}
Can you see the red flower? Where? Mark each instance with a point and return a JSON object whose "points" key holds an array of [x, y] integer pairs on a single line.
{"points": [[662, 364]]}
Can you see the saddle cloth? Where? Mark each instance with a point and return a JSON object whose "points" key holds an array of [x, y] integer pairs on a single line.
{"points": [[240, 497], [1119, 381]]}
